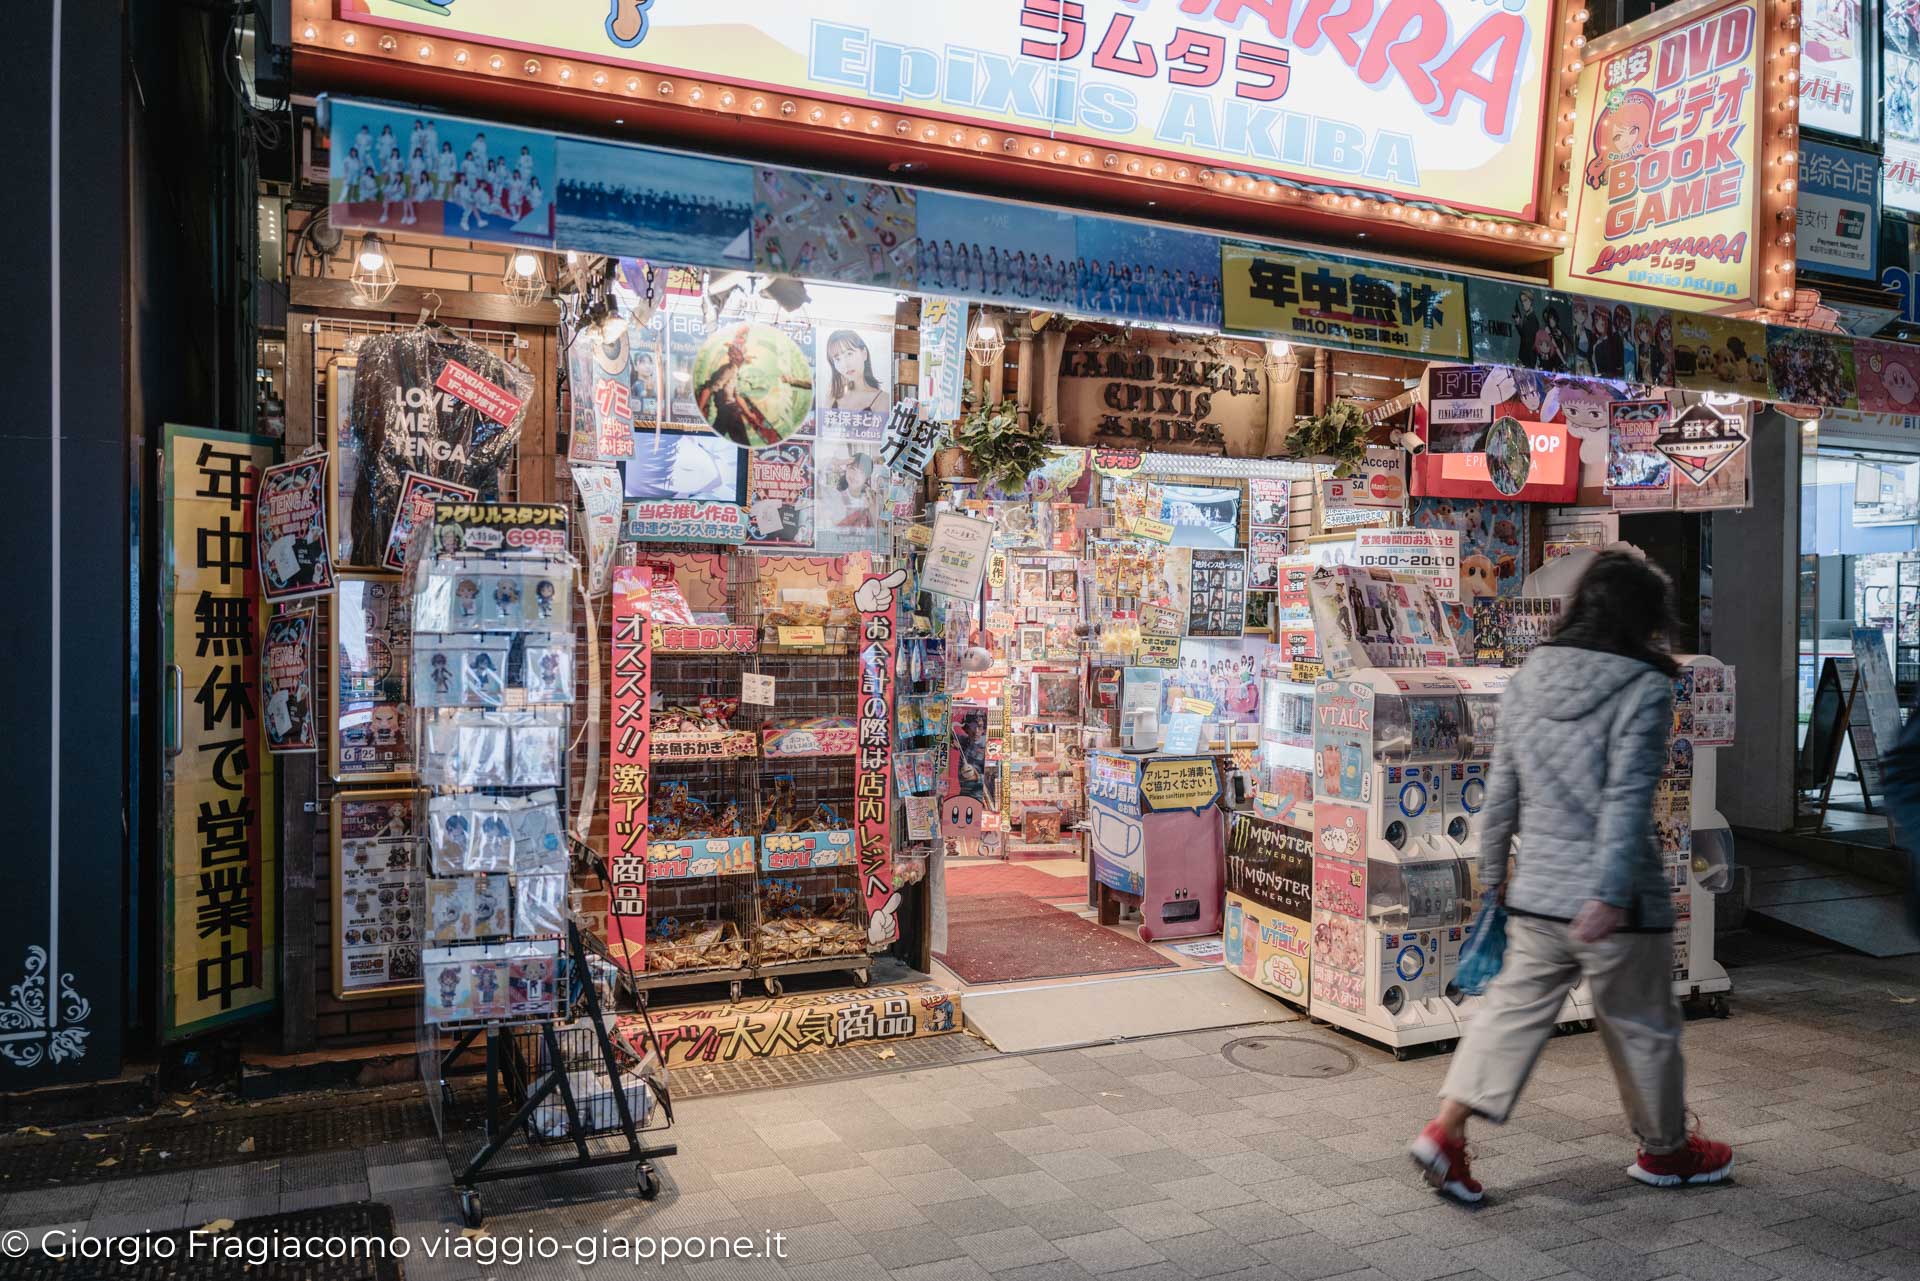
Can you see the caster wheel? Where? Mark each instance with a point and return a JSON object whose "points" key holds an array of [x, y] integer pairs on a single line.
{"points": [[774, 987], [1400, 1054], [471, 1212], [733, 992], [649, 1187], [1718, 1007]]}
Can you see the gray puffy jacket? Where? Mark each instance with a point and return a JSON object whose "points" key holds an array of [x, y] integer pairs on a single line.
{"points": [[1583, 741]]}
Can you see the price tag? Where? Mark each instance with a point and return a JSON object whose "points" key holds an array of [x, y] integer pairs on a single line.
{"points": [[755, 688], [1158, 531], [1198, 706], [803, 635]]}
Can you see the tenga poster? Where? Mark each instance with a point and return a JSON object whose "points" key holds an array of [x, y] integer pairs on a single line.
{"points": [[428, 401]]}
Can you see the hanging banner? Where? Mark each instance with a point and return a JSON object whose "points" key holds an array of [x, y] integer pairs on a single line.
{"points": [[873, 764], [220, 865], [906, 445], [1810, 367], [826, 228], [286, 690], [390, 168], [418, 494], [600, 383], [599, 490], [1714, 353], [1900, 108], [296, 556], [1339, 302], [780, 494], [1833, 84], [943, 358], [1666, 153], [1839, 203], [683, 520], [1639, 473], [1453, 114], [1887, 375], [629, 765]]}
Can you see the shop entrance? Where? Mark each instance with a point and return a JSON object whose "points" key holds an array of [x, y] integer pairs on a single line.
{"points": [[1859, 630]]}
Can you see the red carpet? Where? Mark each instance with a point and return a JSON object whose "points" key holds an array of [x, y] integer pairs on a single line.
{"points": [[996, 938], [1012, 878]]}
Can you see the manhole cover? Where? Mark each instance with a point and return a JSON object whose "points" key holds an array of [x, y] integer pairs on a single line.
{"points": [[1288, 1056]]}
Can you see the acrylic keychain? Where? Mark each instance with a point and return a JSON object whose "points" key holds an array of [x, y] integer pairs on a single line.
{"points": [[450, 833], [450, 909], [483, 753], [500, 606], [493, 836], [466, 603], [539, 905], [536, 755], [549, 674], [433, 604], [482, 675], [440, 750], [537, 842]]}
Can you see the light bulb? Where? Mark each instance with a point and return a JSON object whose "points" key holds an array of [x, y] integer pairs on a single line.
{"points": [[525, 264], [371, 259]]}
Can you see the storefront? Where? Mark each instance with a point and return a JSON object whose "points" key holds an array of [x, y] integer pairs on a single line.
{"points": [[954, 572]]}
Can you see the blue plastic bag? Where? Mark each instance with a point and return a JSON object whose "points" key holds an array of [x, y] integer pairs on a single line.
{"points": [[1484, 951]]}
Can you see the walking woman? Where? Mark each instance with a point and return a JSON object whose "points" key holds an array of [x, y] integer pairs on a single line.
{"points": [[1583, 739]]}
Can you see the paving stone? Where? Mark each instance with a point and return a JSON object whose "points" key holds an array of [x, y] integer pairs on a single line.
{"points": [[1008, 1248], [1068, 1218], [1158, 1220], [1114, 1250], [908, 1247], [1206, 1254]]}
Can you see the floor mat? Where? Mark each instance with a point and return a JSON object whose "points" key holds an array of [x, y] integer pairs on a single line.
{"points": [[1011, 878], [997, 938], [1069, 1014], [366, 1223]]}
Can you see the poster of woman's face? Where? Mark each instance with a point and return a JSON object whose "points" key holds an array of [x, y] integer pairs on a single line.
{"points": [[853, 375]]}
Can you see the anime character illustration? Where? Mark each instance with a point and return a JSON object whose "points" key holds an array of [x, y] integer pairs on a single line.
{"points": [[1619, 132], [543, 595], [439, 676], [466, 599], [506, 598]]}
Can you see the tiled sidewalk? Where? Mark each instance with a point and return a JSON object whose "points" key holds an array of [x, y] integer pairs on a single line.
{"points": [[1162, 1159]]}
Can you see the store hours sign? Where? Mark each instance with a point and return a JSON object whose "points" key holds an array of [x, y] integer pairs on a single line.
{"points": [[1438, 100]]}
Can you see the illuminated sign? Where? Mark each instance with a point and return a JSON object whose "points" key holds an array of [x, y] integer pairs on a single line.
{"points": [[1665, 157], [1436, 100], [1833, 93]]}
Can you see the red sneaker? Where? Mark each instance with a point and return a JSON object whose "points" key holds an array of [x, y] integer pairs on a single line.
{"points": [[1701, 1161], [1443, 1161]]}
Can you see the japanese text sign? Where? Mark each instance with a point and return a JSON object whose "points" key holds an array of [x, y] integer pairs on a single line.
{"points": [[1439, 100], [221, 861], [629, 765], [1665, 154], [873, 760], [1338, 302]]}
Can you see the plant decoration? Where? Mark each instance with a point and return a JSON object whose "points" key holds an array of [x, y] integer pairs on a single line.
{"points": [[1339, 436], [1003, 450]]}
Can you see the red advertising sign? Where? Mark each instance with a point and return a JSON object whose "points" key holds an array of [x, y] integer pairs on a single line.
{"points": [[630, 767], [495, 401], [1553, 475], [873, 764]]}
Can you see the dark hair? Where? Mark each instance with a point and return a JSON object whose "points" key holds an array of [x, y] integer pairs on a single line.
{"points": [[1623, 605]]}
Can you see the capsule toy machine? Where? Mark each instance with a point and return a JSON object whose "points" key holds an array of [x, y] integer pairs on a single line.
{"points": [[1696, 844], [1387, 883]]}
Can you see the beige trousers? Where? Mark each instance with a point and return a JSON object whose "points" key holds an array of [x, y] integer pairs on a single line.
{"points": [[1629, 978]]}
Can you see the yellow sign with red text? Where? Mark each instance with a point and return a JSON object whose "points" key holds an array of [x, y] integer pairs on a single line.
{"points": [[1667, 164]]}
